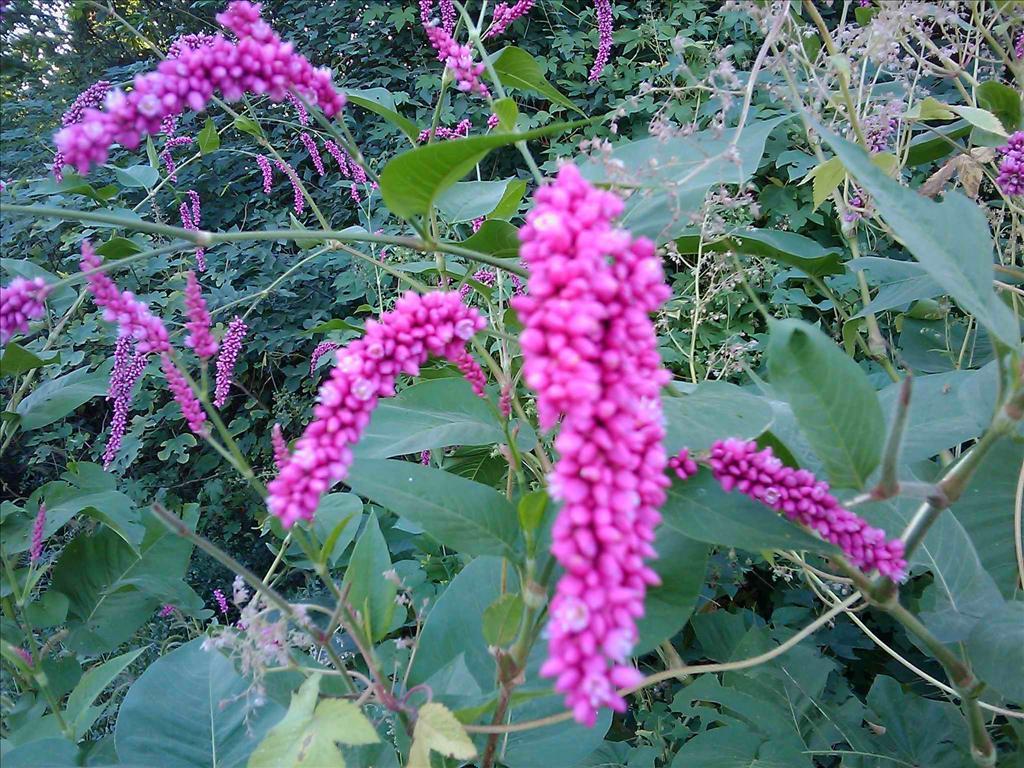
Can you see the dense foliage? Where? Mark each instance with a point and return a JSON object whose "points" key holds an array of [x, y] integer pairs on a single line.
{"points": [[554, 383]]}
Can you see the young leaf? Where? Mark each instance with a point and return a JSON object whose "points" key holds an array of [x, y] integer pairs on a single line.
{"points": [[518, 70], [381, 102], [209, 139], [826, 178], [501, 620], [79, 712], [369, 592], [787, 248], [832, 399], [16, 359], [54, 399], [1002, 101], [437, 730], [507, 112], [306, 735]]}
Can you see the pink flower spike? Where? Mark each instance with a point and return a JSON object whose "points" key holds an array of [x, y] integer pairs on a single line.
{"points": [[801, 497], [340, 157], [199, 337], [683, 465], [132, 316], [230, 346], [604, 34], [591, 353], [281, 452], [296, 102], [459, 59], [314, 152], [20, 302], [321, 349], [38, 534], [298, 201], [168, 158], [166, 611], [505, 14], [129, 365], [222, 602], [267, 171], [367, 369], [1011, 166], [187, 400]]}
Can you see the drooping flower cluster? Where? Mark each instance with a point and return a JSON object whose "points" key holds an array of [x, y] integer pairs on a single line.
{"points": [[447, 9], [684, 466], [222, 602], [319, 351], [880, 127], [259, 62], [604, 37], [190, 406], [399, 342], [129, 364], [300, 108], [482, 276], [91, 97], [280, 446], [492, 121], [442, 133], [1018, 48], [21, 301], [230, 346], [459, 59], [298, 200], [190, 219], [38, 534], [801, 497], [471, 371], [199, 338], [590, 352], [168, 159], [189, 43], [314, 152], [267, 171], [1011, 165], [166, 611], [505, 14]]}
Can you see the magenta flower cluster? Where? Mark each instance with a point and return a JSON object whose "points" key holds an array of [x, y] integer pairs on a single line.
{"points": [[230, 346], [221, 600], [91, 97], [38, 534], [801, 497], [443, 133], [199, 338], [129, 365], [459, 59], [603, 9], [190, 406], [314, 152], [190, 220], [280, 446], [1011, 166], [298, 200], [880, 127], [590, 352], [505, 14], [482, 276], [399, 342], [189, 43], [259, 63], [300, 108], [447, 10], [683, 465], [21, 301], [319, 351], [267, 171], [168, 159]]}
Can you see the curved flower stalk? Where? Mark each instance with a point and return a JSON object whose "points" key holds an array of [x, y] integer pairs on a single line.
{"points": [[399, 342], [259, 63], [129, 365], [443, 133], [801, 497], [298, 201], [21, 301], [267, 171], [190, 406], [590, 352], [319, 351]]}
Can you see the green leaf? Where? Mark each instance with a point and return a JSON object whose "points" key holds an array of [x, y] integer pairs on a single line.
{"points": [[981, 118], [432, 414], [508, 113], [42, 753], [531, 510], [915, 730], [673, 176], [930, 108], [369, 592], [190, 710], [118, 248], [900, 283], [470, 517], [996, 648], [786, 248], [832, 399], [437, 730], [79, 712], [307, 733], [519, 71], [151, 154], [561, 744], [336, 522], [56, 398], [508, 206], [497, 238], [700, 509], [501, 620], [16, 359], [248, 125], [209, 139], [950, 239], [736, 747], [468, 200], [713, 410], [49, 610], [412, 181], [681, 564], [137, 176], [936, 143], [381, 102], [1002, 101], [826, 178]]}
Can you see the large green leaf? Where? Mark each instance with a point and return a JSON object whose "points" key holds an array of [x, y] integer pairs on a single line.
{"points": [[736, 747], [16, 359], [564, 744], [497, 238], [56, 398], [1001, 100], [307, 733], [468, 200], [472, 518], [381, 102], [915, 730], [986, 511], [80, 713], [674, 175], [681, 564], [833, 400], [190, 710], [713, 411], [996, 649], [787, 248], [700, 509], [432, 414], [519, 71], [951, 239], [369, 591], [411, 182], [899, 283]]}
